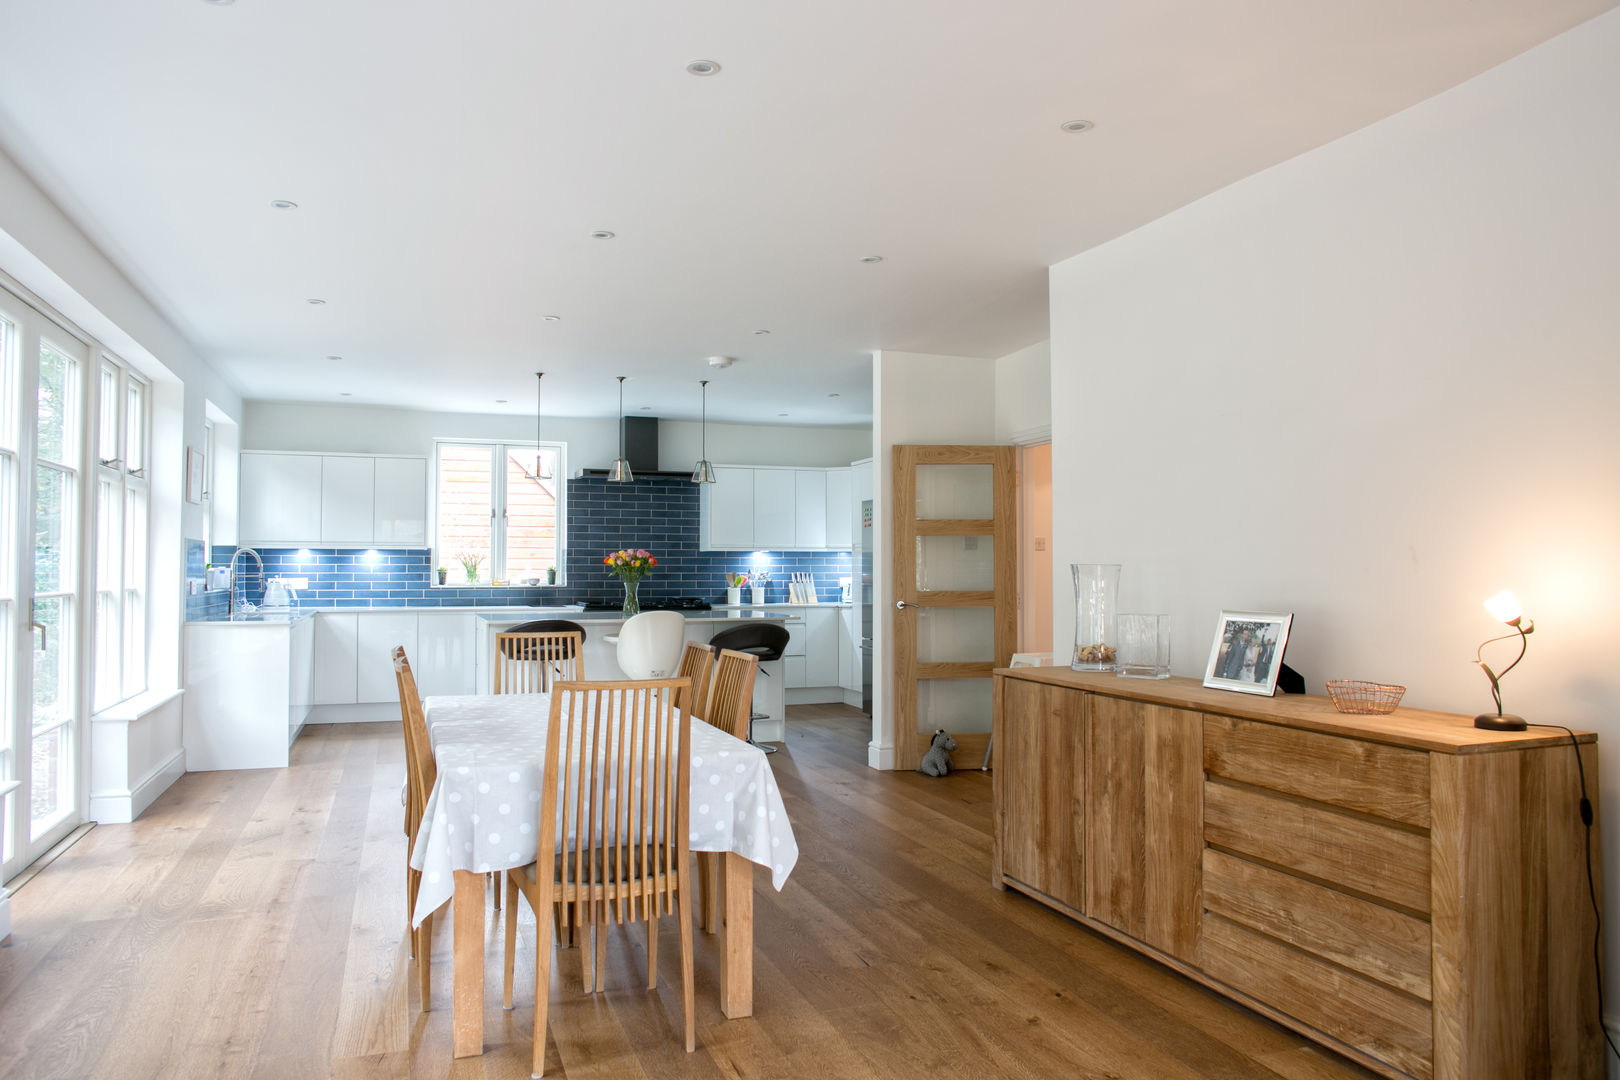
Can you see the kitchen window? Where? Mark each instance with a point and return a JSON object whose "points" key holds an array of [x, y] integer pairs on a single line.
{"points": [[500, 511], [123, 500]]}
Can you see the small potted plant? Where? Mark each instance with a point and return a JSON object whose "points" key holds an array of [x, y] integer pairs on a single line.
{"points": [[444, 574], [551, 575], [469, 562]]}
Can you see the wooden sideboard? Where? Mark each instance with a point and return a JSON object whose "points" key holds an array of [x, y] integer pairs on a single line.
{"points": [[1407, 889]]}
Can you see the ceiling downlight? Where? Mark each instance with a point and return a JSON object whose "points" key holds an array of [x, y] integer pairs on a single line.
{"points": [[1074, 127], [703, 68]]}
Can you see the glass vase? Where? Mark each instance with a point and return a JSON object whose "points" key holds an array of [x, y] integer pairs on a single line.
{"points": [[632, 603], [1096, 616], [1144, 646]]}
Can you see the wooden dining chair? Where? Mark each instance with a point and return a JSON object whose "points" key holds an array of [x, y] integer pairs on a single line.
{"points": [[618, 775], [420, 774], [730, 705], [529, 662], [697, 661]]}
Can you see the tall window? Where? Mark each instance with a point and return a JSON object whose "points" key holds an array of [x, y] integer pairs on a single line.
{"points": [[501, 508], [123, 498]]}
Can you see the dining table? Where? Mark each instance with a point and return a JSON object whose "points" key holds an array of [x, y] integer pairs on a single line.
{"points": [[481, 816]]}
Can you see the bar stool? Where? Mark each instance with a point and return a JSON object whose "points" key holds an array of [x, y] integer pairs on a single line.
{"points": [[767, 641]]}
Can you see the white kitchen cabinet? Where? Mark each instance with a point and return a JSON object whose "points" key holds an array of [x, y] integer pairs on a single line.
{"points": [[301, 665], [337, 653], [280, 499], [809, 508], [821, 646], [347, 484], [793, 672], [445, 661], [849, 653], [374, 671], [840, 519], [726, 521], [399, 502], [775, 510]]}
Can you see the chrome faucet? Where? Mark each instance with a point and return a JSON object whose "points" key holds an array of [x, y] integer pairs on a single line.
{"points": [[230, 605]]}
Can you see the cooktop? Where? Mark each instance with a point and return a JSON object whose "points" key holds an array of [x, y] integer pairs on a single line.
{"points": [[668, 603]]}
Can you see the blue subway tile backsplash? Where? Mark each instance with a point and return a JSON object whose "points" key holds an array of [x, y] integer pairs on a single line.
{"points": [[656, 513]]}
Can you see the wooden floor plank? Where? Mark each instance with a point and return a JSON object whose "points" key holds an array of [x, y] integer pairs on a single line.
{"points": [[251, 925]]}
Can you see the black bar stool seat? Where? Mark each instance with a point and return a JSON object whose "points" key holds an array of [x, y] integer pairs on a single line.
{"points": [[765, 640]]}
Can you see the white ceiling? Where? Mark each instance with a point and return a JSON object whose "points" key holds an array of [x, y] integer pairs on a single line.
{"points": [[450, 159]]}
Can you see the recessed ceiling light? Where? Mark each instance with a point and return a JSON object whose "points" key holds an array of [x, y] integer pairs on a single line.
{"points": [[832, 395], [315, 301], [550, 318], [761, 331], [871, 258], [703, 68], [601, 234], [219, 3], [334, 357], [344, 393], [500, 401], [1073, 126], [283, 204], [781, 414]]}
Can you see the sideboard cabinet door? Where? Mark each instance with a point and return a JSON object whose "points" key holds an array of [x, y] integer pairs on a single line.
{"points": [[1040, 775]]}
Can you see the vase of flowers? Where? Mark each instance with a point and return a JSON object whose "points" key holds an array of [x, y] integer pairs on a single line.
{"points": [[470, 562], [630, 565]]}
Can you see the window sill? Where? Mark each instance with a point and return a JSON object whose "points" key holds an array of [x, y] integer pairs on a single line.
{"points": [[487, 585], [136, 708]]}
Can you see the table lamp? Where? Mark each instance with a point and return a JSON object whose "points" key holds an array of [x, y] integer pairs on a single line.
{"points": [[1504, 607]]}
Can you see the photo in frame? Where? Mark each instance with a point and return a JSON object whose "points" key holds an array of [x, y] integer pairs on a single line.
{"points": [[195, 464], [1247, 653]]}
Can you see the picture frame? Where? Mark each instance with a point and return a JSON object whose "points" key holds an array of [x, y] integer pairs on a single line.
{"points": [[1247, 653], [195, 476]]}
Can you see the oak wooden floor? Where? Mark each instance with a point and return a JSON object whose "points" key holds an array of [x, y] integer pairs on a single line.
{"points": [[249, 925]]}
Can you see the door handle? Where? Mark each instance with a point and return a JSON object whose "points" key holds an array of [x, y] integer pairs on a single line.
{"points": [[901, 605]]}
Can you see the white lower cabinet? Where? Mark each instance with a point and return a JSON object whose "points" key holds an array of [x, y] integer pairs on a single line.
{"points": [[337, 651], [374, 671], [793, 672], [444, 661], [821, 647]]}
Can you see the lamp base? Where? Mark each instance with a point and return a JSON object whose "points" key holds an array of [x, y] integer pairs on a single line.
{"points": [[1504, 722]]}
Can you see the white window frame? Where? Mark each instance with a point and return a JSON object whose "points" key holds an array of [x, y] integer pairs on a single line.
{"points": [[123, 576], [497, 531]]}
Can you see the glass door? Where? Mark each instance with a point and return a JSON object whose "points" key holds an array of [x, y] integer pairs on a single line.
{"points": [[41, 410], [955, 574]]}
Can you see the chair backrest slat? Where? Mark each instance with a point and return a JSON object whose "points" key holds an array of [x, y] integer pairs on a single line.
{"points": [[618, 762], [420, 769], [733, 697], [529, 662], [697, 663]]}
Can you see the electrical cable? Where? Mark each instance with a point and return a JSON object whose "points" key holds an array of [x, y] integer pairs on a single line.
{"points": [[1591, 884]]}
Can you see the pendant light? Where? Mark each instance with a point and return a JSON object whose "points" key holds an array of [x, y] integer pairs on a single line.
{"points": [[703, 472], [620, 473], [542, 464]]}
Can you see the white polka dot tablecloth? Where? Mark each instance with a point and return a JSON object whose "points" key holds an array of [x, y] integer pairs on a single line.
{"points": [[482, 812]]}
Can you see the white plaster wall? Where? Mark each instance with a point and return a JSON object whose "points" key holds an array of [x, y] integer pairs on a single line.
{"points": [[1024, 393], [916, 398], [1372, 386], [592, 444]]}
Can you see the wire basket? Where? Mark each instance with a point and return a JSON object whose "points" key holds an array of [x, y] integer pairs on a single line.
{"points": [[1355, 696]]}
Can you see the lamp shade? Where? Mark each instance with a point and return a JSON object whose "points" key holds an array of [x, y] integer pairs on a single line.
{"points": [[1504, 606]]}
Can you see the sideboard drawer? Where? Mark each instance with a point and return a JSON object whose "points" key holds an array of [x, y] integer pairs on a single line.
{"points": [[1385, 781], [1375, 1020], [1351, 851]]}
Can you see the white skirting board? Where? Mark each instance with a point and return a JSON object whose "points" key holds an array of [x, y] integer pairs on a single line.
{"points": [[122, 807], [370, 713], [5, 914], [879, 757]]}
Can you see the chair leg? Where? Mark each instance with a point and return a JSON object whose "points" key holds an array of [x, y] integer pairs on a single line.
{"points": [[708, 880], [587, 946], [495, 887], [652, 953], [511, 936], [686, 968], [412, 877], [424, 961], [542, 986], [601, 954]]}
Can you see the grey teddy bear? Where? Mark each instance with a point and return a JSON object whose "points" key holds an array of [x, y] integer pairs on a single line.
{"points": [[937, 761]]}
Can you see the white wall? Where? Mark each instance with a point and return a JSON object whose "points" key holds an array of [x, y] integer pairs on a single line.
{"points": [[592, 444], [1372, 386], [1023, 394], [916, 398]]}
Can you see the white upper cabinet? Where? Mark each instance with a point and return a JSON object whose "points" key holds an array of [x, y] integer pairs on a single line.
{"points": [[333, 500], [810, 508], [399, 504], [727, 515], [347, 484], [840, 513], [280, 498], [775, 510]]}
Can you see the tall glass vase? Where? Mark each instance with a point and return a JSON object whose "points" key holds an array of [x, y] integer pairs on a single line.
{"points": [[632, 603], [1096, 616]]}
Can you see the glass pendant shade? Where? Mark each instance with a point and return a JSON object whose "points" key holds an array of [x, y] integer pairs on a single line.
{"points": [[703, 472], [620, 473]]}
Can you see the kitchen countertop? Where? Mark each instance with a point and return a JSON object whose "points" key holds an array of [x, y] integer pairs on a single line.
{"points": [[515, 613]]}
